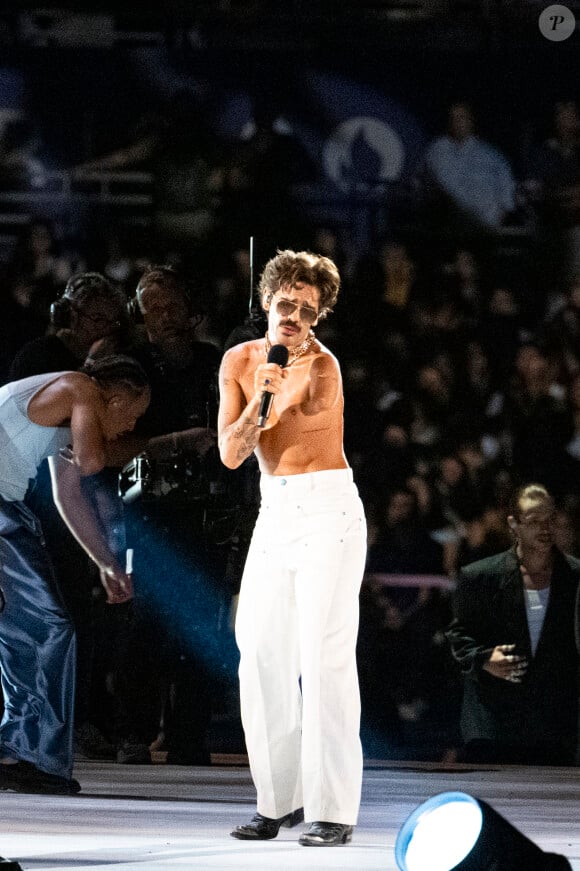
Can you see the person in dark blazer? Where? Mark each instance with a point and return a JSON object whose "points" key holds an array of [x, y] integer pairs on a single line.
{"points": [[513, 635]]}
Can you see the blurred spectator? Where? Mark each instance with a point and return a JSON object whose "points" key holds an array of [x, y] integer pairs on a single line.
{"points": [[465, 283], [383, 284], [20, 165], [35, 274], [481, 402], [433, 404], [553, 183], [562, 331], [359, 390], [573, 445], [483, 535], [387, 463], [39, 257], [469, 182], [144, 141], [119, 264], [381, 728], [258, 178], [537, 419], [500, 329], [186, 169], [565, 529], [228, 297], [459, 496], [403, 546], [174, 144]]}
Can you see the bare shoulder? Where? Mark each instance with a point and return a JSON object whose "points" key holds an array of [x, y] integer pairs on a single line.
{"points": [[67, 384], [237, 358], [57, 400], [325, 362], [77, 384]]}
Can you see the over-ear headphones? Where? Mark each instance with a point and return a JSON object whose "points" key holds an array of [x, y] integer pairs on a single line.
{"points": [[168, 278], [79, 288], [134, 309]]}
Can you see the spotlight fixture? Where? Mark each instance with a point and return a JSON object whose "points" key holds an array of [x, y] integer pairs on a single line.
{"points": [[454, 832]]}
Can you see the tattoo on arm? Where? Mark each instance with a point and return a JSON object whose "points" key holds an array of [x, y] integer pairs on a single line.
{"points": [[248, 434]]}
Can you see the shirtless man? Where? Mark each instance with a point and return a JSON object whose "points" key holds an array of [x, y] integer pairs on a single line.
{"points": [[297, 619]]}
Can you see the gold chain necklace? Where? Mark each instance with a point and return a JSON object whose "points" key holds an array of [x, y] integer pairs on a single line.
{"points": [[295, 352]]}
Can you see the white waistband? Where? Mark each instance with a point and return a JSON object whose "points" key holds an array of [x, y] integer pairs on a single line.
{"points": [[307, 481]]}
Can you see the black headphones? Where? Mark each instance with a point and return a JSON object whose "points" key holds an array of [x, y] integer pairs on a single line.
{"points": [[134, 309], [82, 283], [169, 278]]}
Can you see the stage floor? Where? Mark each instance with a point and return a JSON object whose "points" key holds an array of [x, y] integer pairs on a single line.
{"points": [[161, 817]]}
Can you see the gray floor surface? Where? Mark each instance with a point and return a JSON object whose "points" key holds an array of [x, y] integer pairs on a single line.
{"points": [[131, 818]]}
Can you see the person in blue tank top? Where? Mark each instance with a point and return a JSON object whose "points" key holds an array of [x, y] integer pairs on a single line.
{"points": [[73, 419]]}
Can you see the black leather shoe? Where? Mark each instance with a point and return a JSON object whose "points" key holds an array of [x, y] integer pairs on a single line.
{"points": [[26, 778], [326, 835], [265, 828]]}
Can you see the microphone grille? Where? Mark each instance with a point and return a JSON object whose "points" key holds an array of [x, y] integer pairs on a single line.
{"points": [[278, 354]]}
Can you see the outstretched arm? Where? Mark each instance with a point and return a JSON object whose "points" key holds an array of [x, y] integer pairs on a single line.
{"points": [[81, 519]]}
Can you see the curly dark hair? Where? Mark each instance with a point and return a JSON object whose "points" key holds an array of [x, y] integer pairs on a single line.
{"points": [[83, 288], [293, 267]]}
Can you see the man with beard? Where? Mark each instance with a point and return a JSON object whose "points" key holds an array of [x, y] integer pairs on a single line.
{"points": [[513, 637], [170, 652]]}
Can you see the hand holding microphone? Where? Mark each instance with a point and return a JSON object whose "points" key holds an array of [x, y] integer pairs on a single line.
{"points": [[278, 354]]}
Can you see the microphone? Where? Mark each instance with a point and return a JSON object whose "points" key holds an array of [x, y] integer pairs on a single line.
{"points": [[277, 354]]}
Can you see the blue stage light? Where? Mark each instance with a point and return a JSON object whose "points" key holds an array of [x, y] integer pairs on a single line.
{"points": [[454, 832]]}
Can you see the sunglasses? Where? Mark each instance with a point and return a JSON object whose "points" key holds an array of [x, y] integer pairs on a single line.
{"points": [[285, 308]]}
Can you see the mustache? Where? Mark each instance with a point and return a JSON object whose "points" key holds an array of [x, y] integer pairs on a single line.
{"points": [[289, 324]]}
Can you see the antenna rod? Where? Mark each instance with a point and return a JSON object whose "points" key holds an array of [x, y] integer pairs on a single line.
{"points": [[251, 274]]}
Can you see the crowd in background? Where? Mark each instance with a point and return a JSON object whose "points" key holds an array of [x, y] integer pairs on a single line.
{"points": [[460, 350]]}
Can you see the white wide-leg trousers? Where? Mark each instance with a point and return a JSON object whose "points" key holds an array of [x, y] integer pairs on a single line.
{"points": [[296, 628]]}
